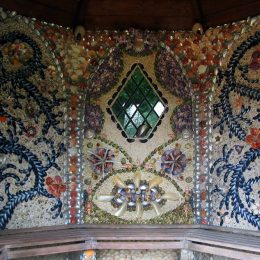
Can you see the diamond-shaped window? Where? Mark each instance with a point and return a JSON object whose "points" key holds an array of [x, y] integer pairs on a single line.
{"points": [[137, 106]]}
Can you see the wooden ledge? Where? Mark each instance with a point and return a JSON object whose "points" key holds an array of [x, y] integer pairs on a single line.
{"points": [[220, 241]]}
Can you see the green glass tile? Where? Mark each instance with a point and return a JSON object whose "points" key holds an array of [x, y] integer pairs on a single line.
{"points": [[130, 87], [138, 97], [137, 76], [159, 108], [116, 108], [152, 119], [123, 119], [130, 130], [131, 108], [123, 98], [145, 87], [137, 119], [152, 98], [145, 108]]}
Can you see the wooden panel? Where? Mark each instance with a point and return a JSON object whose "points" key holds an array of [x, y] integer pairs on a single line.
{"points": [[145, 14], [43, 12], [100, 245], [137, 7], [68, 6], [138, 22], [213, 7], [51, 240], [230, 12], [222, 252]]}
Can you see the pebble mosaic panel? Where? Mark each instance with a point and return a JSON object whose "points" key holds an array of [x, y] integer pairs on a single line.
{"points": [[32, 125], [236, 135], [152, 184]]}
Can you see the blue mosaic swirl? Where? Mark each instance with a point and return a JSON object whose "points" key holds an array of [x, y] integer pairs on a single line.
{"points": [[235, 173], [10, 173], [223, 109], [238, 182], [20, 80]]}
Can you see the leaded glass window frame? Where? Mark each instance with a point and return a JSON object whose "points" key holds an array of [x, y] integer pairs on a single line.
{"points": [[141, 101]]}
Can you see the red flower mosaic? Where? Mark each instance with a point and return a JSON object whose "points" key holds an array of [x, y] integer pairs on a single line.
{"points": [[55, 186], [253, 138], [3, 119]]}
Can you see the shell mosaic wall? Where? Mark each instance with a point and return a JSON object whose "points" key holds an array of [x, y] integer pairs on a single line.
{"points": [[32, 143], [129, 127], [236, 135]]}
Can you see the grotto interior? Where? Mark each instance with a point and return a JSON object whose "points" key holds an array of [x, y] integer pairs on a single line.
{"points": [[129, 129]]}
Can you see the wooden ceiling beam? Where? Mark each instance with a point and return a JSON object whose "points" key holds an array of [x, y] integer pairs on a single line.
{"points": [[100, 22], [145, 14], [136, 7], [61, 5]]}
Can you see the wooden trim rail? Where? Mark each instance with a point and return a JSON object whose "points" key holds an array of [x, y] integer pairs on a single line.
{"points": [[234, 243]]}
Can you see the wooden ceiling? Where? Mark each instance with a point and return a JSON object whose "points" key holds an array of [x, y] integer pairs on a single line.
{"points": [[140, 14]]}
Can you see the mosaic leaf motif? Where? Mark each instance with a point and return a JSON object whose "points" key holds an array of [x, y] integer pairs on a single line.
{"points": [[171, 76], [237, 123], [238, 182], [138, 107], [94, 118], [107, 74], [22, 167], [182, 118], [241, 196]]}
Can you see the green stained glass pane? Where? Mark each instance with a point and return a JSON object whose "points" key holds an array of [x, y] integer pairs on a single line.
{"points": [[137, 119], [159, 108], [138, 97], [130, 87], [131, 108], [152, 98], [145, 108], [152, 118], [116, 108], [145, 87], [130, 130], [123, 98], [138, 107], [123, 119], [137, 76]]}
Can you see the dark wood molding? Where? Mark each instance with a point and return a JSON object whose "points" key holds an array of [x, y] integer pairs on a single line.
{"points": [[72, 238], [146, 14]]}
